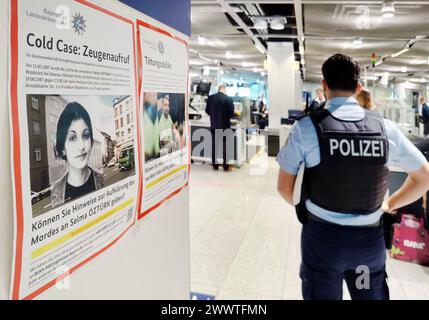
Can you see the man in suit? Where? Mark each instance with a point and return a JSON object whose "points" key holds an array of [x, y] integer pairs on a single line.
{"points": [[220, 108], [423, 112]]}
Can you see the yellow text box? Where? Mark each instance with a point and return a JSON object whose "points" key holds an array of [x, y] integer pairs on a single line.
{"points": [[38, 252]]}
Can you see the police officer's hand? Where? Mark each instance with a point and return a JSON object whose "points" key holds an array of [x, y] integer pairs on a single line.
{"points": [[385, 207]]}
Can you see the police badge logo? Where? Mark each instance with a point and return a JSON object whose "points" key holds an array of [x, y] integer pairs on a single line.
{"points": [[161, 48], [79, 25]]}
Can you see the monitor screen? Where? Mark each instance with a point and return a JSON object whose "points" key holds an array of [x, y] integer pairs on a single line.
{"points": [[204, 88], [194, 86]]}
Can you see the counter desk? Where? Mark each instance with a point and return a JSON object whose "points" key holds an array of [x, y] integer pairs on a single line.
{"points": [[201, 152]]}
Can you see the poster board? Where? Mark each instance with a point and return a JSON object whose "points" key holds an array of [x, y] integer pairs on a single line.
{"points": [[164, 114], [151, 260], [74, 132], [6, 214]]}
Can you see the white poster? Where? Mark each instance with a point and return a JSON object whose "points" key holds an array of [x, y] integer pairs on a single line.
{"points": [[164, 111], [74, 137]]}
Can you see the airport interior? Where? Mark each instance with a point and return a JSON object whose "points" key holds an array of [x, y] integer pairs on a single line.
{"points": [[121, 103]]}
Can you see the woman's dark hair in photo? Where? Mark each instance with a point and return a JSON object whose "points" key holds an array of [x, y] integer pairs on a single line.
{"points": [[73, 111], [341, 72]]}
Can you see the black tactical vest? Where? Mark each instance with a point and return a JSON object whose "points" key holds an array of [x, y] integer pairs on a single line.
{"points": [[352, 176]]}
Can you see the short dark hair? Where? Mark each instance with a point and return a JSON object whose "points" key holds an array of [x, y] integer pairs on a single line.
{"points": [[72, 111], [341, 72]]}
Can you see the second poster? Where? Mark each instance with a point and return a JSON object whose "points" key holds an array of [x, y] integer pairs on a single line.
{"points": [[164, 116]]}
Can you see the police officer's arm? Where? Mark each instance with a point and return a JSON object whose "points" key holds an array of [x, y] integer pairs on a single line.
{"points": [[416, 184], [285, 185], [290, 158]]}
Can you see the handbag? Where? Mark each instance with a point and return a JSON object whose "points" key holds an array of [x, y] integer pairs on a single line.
{"points": [[410, 240]]}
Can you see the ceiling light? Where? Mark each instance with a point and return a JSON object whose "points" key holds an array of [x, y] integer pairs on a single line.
{"points": [[221, 72], [371, 78], [404, 69], [357, 42], [202, 40], [262, 74], [246, 64], [260, 49], [388, 9], [296, 66], [260, 23], [418, 61], [423, 80], [277, 22], [400, 52], [255, 70], [228, 55]]}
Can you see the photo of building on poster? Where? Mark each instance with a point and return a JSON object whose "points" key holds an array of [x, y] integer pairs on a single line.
{"points": [[77, 145], [163, 123]]}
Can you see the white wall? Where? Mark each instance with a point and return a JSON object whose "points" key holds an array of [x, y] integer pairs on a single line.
{"points": [[281, 80], [152, 261], [298, 90]]}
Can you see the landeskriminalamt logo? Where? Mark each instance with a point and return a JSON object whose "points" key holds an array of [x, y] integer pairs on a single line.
{"points": [[79, 25]]}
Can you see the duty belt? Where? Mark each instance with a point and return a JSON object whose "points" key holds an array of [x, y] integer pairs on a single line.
{"points": [[312, 217]]}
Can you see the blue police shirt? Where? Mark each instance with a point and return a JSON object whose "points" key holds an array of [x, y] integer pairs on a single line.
{"points": [[303, 147]]}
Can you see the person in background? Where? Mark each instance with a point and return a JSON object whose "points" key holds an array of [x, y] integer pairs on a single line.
{"points": [[423, 114], [365, 100], [318, 102], [263, 112], [220, 108]]}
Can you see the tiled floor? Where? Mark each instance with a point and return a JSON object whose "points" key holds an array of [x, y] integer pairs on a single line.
{"points": [[245, 240]]}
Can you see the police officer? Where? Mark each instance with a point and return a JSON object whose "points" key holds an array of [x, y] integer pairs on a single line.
{"points": [[346, 150]]}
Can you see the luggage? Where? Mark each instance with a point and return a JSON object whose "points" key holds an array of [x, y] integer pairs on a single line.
{"points": [[411, 240]]}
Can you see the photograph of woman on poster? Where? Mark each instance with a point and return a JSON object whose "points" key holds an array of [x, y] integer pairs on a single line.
{"points": [[74, 140]]}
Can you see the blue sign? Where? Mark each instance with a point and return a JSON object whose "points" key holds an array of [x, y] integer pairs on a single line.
{"points": [[201, 296], [174, 13]]}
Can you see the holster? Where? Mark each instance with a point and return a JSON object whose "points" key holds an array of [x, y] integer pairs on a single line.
{"points": [[301, 212], [300, 209]]}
